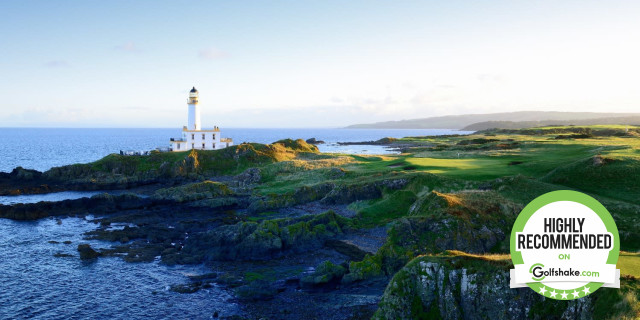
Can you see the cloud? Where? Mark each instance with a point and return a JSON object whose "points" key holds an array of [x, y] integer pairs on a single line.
{"points": [[128, 47], [212, 54], [57, 64]]}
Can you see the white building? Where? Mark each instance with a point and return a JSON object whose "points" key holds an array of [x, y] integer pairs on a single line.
{"points": [[193, 136]]}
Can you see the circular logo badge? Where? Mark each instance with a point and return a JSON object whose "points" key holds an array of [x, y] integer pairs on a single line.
{"points": [[564, 246]]}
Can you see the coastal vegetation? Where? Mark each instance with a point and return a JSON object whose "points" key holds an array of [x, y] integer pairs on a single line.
{"points": [[419, 234]]}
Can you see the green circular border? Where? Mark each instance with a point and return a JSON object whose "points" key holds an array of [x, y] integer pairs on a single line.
{"points": [[565, 195]]}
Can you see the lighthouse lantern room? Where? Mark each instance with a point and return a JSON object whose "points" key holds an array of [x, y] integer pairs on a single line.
{"points": [[193, 136]]}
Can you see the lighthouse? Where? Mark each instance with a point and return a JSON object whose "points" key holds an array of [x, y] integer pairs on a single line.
{"points": [[193, 136], [194, 110]]}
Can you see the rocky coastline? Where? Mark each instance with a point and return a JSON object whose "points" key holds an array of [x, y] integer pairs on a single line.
{"points": [[300, 234]]}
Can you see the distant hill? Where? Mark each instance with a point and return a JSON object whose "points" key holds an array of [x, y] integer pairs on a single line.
{"points": [[533, 118], [630, 120]]}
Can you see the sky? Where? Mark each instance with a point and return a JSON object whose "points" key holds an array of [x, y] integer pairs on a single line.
{"points": [[311, 63]]}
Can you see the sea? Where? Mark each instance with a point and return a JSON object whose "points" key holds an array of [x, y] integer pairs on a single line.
{"points": [[41, 276]]}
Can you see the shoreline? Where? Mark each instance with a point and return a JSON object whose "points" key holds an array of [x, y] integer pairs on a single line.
{"points": [[293, 232]]}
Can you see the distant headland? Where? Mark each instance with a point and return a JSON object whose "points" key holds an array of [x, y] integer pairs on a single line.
{"points": [[506, 120]]}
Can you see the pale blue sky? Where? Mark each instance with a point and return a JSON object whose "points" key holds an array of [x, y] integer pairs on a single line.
{"points": [[311, 63]]}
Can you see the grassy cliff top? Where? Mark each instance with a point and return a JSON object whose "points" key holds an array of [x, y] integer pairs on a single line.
{"points": [[231, 160]]}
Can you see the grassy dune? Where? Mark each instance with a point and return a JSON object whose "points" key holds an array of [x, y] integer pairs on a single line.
{"points": [[519, 164]]}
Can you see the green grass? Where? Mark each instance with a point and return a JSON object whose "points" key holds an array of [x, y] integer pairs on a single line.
{"points": [[533, 160], [287, 176], [629, 264], [617, 179], [392, 206]]}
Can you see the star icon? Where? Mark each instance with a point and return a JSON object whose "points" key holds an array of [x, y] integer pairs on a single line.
{"points": [[553, 294], [542, 290], [586, 290], [576, 294], [564, 295]]}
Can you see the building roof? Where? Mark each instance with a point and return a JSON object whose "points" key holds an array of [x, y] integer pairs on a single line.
{"points": [[193, 90]]}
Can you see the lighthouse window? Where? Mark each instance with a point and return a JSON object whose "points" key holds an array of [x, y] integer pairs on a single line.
{"points": [[193, 136], [193, 146], [203, 146], [203, 136], [178, 146], [214, 136]]}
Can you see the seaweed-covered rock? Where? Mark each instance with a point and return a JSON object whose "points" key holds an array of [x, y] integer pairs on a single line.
{"points": [[264, 240], [186, 288], [325, 272], [256, 290], [368, 268]]}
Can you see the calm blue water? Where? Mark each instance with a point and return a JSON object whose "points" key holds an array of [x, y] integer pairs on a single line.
{"points": [[35, 284], [43, 148]]}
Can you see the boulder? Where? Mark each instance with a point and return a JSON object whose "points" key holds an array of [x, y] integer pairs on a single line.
{"points": [[326, 272], [314, 141], [249, 176], [256, 291], [86, 252]]}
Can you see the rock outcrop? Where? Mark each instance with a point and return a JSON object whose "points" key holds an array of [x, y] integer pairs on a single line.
{"points": [[193, 191], [264, 240], [325, 273], [86, 252], [314, 141], [463, 288], [102, 203]]}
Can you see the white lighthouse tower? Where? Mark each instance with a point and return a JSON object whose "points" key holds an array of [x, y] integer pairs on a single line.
{"points": [[194, 110], [193, 136]]}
